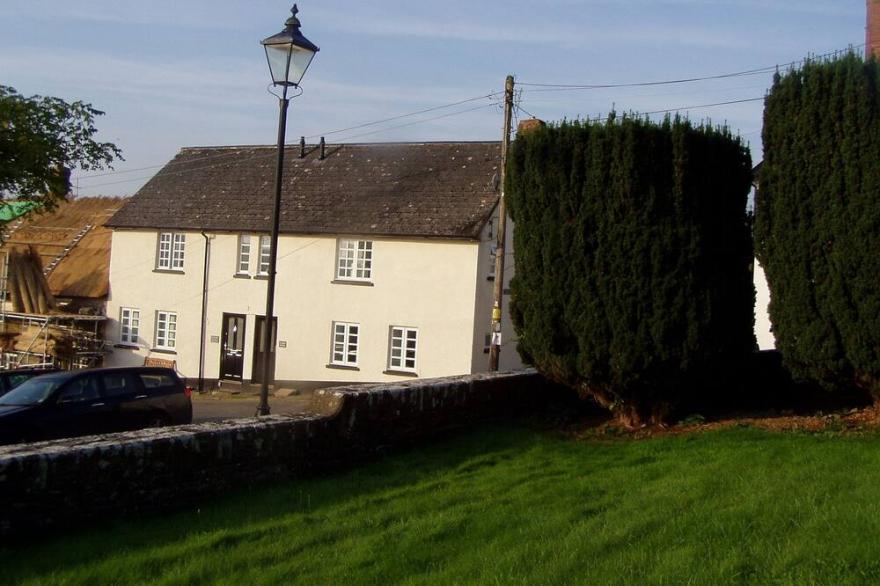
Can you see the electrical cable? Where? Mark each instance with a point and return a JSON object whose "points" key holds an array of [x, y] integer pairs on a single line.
{"points": [[546, 87], [757, 71], [356, 127], [272, 153]]}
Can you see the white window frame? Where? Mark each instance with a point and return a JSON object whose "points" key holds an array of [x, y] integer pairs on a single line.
{"points": [[171, 251], [401, 363], [243, 260], [129, 325], [265, 257], [344, 343], [354, 260], [166, 330]]}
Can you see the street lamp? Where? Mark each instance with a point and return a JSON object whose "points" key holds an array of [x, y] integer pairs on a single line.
{"points": [[288, 54]]}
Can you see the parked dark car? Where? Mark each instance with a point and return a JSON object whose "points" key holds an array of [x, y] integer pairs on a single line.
{"points": [[86, 402], [9, 379]]}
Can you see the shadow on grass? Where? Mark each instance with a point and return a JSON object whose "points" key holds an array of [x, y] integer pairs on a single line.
{"points": [[252, 515]]}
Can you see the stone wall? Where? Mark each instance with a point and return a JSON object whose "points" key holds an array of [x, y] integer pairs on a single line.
{"points": [[66, 482]]}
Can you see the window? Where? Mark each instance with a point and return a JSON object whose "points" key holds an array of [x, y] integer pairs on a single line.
{"points": [[265, 254], [402, 349], [157, 381], [172, 246], [244, 255], [129, 325], [345, 344], [166, 330], [82, 389], [355, 260], [117, 384]]}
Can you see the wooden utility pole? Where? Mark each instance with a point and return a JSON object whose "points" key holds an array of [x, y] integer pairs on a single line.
{"points": [[495, 346]]}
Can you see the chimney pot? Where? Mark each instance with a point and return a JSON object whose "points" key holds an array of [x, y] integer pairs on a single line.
{"points": [[302, 147], [323, 144], [530, 125]]}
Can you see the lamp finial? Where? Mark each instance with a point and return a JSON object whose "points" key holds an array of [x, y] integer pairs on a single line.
{"points": [[293, 20]]}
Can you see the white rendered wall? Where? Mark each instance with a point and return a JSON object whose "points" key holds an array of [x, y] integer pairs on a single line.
{"points": [[766, 340], [421, 283]]}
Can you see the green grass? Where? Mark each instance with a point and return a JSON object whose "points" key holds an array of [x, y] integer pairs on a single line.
{"points": [[513, 505]]}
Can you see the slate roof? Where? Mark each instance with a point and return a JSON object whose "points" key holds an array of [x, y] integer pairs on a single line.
{"points": [[442, 189]]}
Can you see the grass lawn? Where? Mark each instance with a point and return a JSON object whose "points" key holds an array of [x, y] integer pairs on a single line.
{"points": [[516, 505]]}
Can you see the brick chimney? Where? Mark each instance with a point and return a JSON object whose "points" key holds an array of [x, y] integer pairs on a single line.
{"points": [[872, 29], [533, 124]]}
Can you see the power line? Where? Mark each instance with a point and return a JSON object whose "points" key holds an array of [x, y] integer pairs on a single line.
{"points": [[425, 111], [269, 155], [760, 70], [356, 127], [545, 87], [480, 107]]}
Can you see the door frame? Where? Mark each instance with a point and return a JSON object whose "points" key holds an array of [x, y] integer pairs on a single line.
{"points": [[256, 363], [223, 333]]}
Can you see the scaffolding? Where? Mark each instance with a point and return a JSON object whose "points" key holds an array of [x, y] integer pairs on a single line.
{"points": [[65, 341], [61, 340]]}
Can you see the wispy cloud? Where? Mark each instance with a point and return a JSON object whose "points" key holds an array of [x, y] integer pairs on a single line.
{"points": [[592, 34], [168, 13]]}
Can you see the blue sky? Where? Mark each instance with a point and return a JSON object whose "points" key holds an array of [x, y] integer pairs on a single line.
{"points": [[178, 73]]}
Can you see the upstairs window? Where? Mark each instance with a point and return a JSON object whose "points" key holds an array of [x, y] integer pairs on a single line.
{"points": [[355, 260], [345, 344], [129, 325], [402, 349], [265, 254], [243, 264], [172, 247]]}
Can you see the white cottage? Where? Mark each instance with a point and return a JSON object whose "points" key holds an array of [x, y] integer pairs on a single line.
{"points": [[385, 264]]}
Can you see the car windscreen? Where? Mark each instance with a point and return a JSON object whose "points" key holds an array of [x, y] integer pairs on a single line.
{"points": [[31, 392]]}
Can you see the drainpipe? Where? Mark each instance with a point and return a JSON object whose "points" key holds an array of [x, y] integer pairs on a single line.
{"points": [[204, 313]]}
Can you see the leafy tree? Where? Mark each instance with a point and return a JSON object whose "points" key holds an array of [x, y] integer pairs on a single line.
{"points": [[41, 140], [633, 255], [817, 230]]}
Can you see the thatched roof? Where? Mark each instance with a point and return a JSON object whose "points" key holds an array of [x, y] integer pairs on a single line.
{"points": [[85, 269]]}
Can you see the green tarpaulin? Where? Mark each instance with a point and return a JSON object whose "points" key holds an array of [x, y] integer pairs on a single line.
{"points": [[9, 210]]}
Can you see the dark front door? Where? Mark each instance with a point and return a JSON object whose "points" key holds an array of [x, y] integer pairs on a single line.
{"points": [[260, 353], [232, 348]]}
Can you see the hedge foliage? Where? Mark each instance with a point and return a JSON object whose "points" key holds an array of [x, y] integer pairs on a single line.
{"points": [[817, 227], [633, 255]]}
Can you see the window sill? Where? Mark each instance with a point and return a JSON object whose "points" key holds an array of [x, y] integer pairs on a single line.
{"points": [[408, 373], [352, 282], [169, 271], [127, 346], [342, 367], [261, 277], [163, 351], [241, 276]]}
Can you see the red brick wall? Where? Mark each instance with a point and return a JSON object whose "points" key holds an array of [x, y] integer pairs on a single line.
{"points": [[872, 30]]}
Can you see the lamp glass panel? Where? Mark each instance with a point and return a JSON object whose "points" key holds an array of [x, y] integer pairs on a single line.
{"points": [[278, 60], [299, 62], [288, 63]]}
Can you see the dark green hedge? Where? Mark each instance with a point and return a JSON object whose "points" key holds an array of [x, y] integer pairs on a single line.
{"points": [[818, 220], [633, 256]]}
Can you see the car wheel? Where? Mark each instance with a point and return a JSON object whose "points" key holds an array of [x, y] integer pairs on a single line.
{"points": [[158, 420]]}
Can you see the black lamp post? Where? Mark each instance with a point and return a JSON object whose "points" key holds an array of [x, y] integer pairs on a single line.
{"points": [[289, 54]]}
